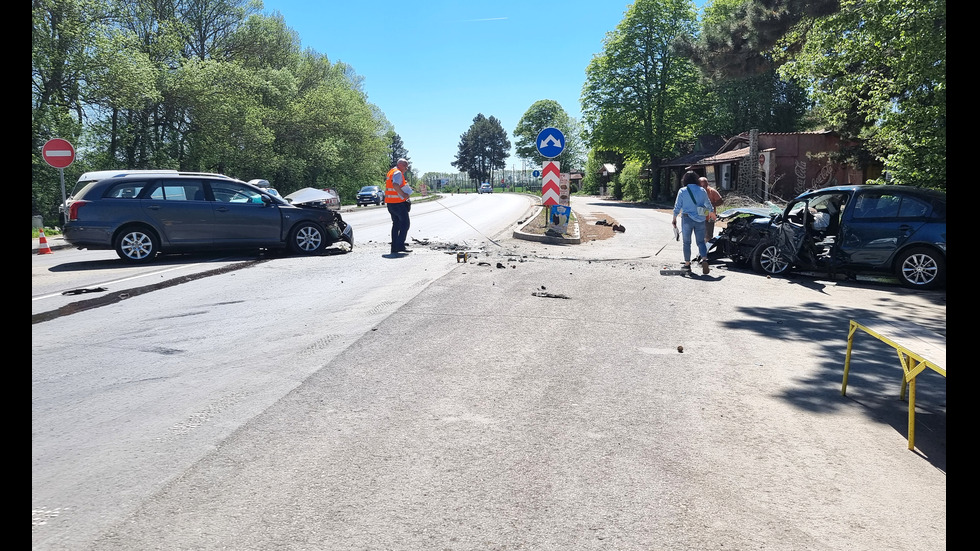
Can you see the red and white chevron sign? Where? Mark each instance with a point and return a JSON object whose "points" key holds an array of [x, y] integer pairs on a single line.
{"points": [[550, 183]]}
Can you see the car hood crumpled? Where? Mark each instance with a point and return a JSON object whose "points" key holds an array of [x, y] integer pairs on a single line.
{"points": [[310, 195], [745, 211]]}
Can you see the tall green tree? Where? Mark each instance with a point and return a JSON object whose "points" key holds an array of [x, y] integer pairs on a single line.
{"points": [[67, 39], [878, 72], [396, 148], [640, 97], [543, 114], [200, 85], [329, 133], [210, 25], [767, 102], [738, 36], [875, 69], [482, 148]]}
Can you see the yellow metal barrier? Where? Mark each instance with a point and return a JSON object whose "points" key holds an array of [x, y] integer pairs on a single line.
{"points": [[930, 354]]}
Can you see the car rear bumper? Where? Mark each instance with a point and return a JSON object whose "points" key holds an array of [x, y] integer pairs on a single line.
{"points": [[87, 236]]}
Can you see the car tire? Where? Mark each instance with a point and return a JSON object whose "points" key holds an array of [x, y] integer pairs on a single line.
{"points": [[767, 259], [307, 238], [921, 268], [137, 244]]}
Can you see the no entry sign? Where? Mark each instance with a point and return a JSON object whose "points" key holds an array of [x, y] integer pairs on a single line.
{"points": [[58, 153]]}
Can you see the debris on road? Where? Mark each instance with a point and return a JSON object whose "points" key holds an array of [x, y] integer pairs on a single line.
{"points": [[549, 295], [82, 291], [667, 270]]}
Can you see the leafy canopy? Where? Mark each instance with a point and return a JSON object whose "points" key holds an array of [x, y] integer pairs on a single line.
{"points": [[207, 85], [874, 69], [482, 148], [877, 70], [543, 114], [640, 97]]}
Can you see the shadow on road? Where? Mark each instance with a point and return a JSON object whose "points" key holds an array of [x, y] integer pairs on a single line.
{"points": [[876, 375]]}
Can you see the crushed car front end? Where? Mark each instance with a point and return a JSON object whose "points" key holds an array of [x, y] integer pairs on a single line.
{"points": [[744, 229]]}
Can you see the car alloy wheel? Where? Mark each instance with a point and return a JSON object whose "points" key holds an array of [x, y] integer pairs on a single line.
{"points": [[921, 268], [768, 259], [136, 245], [307, 238]]}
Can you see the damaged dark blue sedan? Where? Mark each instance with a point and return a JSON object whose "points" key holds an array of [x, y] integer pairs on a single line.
{"points": [[845, 230]]}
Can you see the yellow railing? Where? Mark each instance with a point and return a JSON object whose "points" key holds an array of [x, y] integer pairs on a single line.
{"points": [[928, 354]]}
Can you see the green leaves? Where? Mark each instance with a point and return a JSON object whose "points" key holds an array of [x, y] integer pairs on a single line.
{"points": [[640, 97], [875, 70], [878, 71], [209, 85], [543, 114], [482, 148]]}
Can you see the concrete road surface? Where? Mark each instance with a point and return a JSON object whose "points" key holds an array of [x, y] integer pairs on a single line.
{"points": [[574, 398]]}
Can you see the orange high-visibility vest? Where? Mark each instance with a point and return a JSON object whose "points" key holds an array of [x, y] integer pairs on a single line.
{"points": [[391, 196]]}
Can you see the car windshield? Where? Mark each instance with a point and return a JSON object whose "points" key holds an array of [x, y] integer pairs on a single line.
{"points": [[369, 189]]}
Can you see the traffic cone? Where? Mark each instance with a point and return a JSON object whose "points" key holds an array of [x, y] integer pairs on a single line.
{"points": [[43, 248]]}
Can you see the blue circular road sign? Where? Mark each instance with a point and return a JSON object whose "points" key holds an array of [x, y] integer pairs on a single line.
{"points": [[550, 143]]}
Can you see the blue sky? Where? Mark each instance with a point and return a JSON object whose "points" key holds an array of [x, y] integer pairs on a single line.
{"points": [[432, 66]]}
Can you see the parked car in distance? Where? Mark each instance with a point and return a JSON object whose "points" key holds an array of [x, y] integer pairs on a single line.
{"points": [[845, 230], [142, 215], [485, 188], [370, 195]]}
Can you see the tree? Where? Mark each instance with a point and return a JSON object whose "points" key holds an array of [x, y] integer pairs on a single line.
{"points": [[396, 148], [640, 97], [878, 72], [875, 69], [59, 59], [482, 148], [264, 42], [329, 133], [738, 35], [766, 102], [209, 25], [544, 114], [198, 85]]}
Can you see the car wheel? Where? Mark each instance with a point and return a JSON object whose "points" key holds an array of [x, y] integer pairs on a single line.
{"points": [[766, 258], [137, 245], [306, 238], [921, 268]]}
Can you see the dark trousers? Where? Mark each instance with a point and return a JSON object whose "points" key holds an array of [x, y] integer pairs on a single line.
{"points": [[399, 224]]}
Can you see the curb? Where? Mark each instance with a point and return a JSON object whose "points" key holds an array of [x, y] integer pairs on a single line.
{"points": [[573, 239]]}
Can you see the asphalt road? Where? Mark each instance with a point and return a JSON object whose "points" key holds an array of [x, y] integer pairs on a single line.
{"points": [[470, 406]]}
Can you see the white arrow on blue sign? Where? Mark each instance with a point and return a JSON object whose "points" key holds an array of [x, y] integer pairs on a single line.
{"points": [[550, 143]]}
